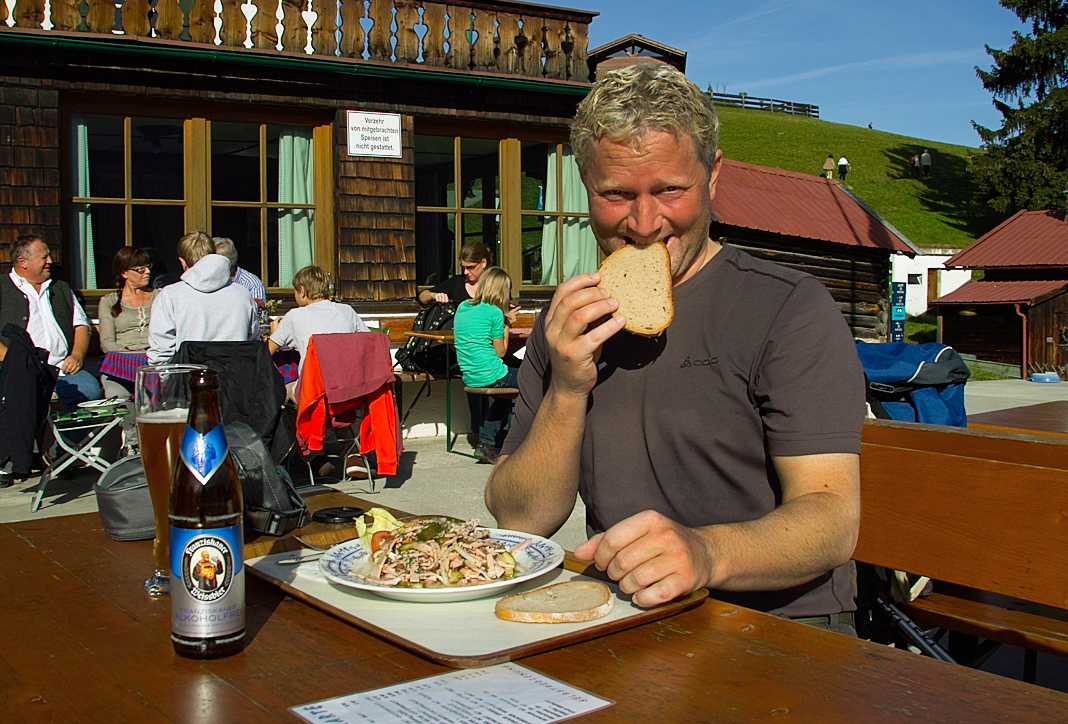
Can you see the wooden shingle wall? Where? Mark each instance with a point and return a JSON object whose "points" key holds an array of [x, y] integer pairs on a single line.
{"points": [[29, 161], [376, 221]]}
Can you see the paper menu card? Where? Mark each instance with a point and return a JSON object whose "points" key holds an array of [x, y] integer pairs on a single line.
{"points": [[502, 694]]}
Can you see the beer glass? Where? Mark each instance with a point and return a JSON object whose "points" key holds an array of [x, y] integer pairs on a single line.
{"points": [[161, 406]]}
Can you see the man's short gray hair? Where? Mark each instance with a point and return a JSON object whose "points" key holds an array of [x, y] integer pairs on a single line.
{"points": [[227, 248], [627, 103], [21, 246]]}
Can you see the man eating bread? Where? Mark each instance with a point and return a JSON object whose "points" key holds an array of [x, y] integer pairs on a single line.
{"points": [[723, 453]]}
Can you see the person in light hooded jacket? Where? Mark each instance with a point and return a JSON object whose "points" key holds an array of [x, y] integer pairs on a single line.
{"points": [[205, 306]]}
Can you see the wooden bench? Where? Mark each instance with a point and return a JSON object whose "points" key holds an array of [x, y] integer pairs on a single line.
{"points": [[985, 514]]}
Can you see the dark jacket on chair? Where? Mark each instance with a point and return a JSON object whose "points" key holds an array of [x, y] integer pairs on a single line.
{"points": [[26, 384], [251, 389]]}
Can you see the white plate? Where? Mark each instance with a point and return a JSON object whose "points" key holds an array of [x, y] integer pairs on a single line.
{"points": [[102, 404], [343, 562]]}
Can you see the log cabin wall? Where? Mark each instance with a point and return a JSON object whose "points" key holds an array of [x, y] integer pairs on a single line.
{"points": [[857, 278], [1047, 334], [994, 333]]}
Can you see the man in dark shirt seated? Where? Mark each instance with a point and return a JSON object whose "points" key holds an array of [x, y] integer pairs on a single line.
{"points": [[722, 454]]}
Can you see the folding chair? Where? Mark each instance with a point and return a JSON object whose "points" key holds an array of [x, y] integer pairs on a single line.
{"points": [[355, 379], [95, 425]]}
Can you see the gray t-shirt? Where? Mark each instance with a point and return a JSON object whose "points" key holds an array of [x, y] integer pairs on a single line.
{"points": [[321, 317], [758, 361]]}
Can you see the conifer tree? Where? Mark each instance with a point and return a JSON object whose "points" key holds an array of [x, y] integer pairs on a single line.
{"points": [[1025, 162]]}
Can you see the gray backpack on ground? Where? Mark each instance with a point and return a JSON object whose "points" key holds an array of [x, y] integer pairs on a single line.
{"points": [[272, 504]]}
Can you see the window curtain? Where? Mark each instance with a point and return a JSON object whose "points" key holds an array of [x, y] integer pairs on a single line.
{"points": [[296, 185], [580, 248], [82, 261]]}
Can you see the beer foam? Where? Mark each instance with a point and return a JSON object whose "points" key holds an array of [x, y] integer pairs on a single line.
{"points": [[163, 416]]}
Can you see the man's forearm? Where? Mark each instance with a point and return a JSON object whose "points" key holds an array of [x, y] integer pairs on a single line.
{"points": [[791, 545], [534, 489], [81, 342]]}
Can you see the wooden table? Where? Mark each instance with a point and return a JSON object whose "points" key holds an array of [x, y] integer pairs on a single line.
{"points": [[1043, 417], [446, 337], [83, 643]]}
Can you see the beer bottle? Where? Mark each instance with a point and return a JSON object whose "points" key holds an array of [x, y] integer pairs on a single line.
{"points": [[207, 561]]}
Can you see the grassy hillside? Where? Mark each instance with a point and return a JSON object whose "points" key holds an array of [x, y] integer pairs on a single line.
{"points": [[934, 212]]}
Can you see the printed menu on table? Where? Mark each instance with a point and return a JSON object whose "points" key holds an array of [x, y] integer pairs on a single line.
{"points": [[506, 693]]}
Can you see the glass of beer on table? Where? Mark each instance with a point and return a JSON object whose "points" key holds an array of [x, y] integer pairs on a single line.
{"points": [[161, 406]]}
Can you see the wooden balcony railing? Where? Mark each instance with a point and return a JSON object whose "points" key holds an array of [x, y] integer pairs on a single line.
{"points": [[514, 38]]}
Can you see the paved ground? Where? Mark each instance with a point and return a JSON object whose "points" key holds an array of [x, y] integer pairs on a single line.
{"points": [[431, 480]]}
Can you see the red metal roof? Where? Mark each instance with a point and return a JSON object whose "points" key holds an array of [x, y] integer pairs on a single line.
{"points": [[797, 204], [1028, 239], [1022, 292]]}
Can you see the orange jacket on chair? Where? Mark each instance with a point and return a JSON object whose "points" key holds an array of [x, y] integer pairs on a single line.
{"points": [[340, 373]]}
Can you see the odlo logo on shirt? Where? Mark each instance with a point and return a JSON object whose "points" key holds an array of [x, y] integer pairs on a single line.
{"points": [[706, 362]]}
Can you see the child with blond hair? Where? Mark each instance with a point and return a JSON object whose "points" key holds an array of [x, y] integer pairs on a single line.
{"points": [[481, 331]]}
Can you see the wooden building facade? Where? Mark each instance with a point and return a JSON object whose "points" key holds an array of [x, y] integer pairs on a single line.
{"points": [[1017, 313], [815, 225], [131, 126]]}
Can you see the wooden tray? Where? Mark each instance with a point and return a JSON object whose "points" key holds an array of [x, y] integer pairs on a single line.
{"points": [[462, 635]]}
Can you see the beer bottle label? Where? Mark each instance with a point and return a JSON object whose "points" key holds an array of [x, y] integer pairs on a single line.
{"points": [[207, 581], [203, 454]]}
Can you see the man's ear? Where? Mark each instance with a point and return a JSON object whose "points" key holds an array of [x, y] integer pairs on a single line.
{"points": [[716, 165]]}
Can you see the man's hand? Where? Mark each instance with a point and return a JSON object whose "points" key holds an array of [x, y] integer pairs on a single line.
{"points": [[577, 324], [71, 364], [652, 557]]}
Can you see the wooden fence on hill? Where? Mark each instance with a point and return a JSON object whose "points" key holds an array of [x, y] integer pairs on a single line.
{"points": [[744, 100]]}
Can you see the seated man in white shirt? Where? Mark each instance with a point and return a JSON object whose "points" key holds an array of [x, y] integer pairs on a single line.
{"points": [[205, 306], [315, 314], [47, 309]]}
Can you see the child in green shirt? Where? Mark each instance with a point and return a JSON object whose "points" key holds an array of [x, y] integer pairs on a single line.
{"points": [[481, 331]]}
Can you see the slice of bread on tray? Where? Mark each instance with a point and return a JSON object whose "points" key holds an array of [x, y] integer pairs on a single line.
{"points": [[639, 278], [568, 602]]}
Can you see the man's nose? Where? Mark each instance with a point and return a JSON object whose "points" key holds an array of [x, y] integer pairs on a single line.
{"points": [[645, 220]]}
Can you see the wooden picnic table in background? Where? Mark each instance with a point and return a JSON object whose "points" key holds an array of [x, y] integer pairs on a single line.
{"points": [[1043, 417], [83, 643]]}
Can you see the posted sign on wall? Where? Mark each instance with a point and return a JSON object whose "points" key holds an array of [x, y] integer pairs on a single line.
{"points": [[374, 134]]}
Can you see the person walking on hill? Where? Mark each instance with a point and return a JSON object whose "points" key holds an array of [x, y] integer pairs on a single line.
{"points": [[843, 168], [828, 166], [925, 162]]}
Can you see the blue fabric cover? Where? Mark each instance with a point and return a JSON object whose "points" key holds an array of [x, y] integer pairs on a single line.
{"points": [[916, 382]]}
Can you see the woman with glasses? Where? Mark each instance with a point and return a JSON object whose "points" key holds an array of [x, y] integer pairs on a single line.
{"points": [[124, 314]]}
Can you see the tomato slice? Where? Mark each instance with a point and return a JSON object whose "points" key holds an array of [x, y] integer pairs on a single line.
{"points": [[379, 539]]}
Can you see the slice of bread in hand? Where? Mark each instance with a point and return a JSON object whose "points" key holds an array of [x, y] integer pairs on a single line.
{"points": [[639, 278], [567, 602]]}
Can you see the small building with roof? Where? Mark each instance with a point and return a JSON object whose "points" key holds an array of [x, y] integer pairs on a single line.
{"points": [[1017, 313], [816, 225], [632, 49]]}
